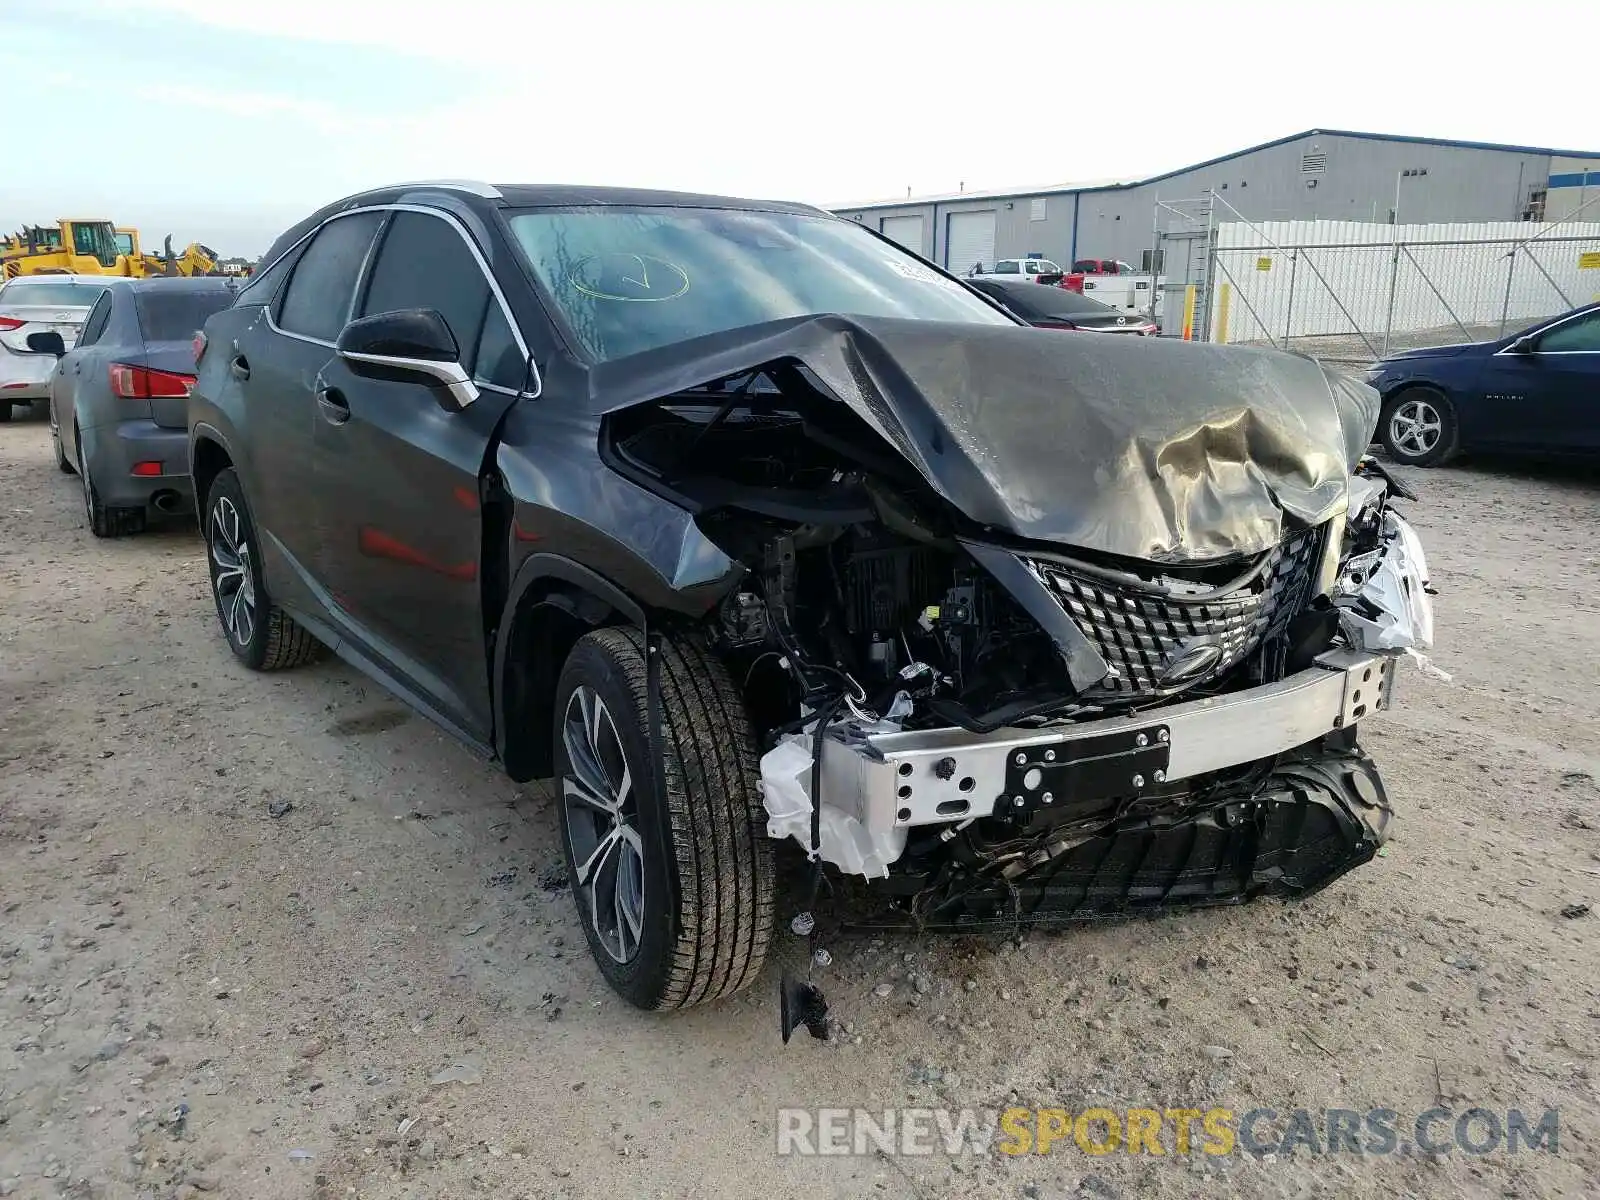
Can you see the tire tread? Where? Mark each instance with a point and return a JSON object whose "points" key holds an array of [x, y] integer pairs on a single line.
{"points": [[722, 858]]}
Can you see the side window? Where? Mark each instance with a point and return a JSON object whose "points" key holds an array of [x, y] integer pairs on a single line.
{"points": [[1580, 334], [423, 263], [263, 286], [95, 323], [1049, 268], [324, 280], [1007, 267], [500, 360]]}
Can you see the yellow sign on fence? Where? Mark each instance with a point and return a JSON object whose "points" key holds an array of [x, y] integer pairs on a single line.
{"points": [[1589, 260], [1263, 264]]}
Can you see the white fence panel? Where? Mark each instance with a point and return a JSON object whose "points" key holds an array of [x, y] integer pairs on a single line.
{"points": [[1291, 279]]}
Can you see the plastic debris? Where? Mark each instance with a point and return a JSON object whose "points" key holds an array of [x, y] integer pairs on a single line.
{"points": [[802, 1004], [301, 1156], [468, 1071]]}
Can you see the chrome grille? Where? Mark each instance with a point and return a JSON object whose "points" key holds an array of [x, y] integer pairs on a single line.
{"points": [[1144, 633]]}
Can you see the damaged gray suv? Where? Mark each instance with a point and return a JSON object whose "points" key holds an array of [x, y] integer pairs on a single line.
{"points": [[746, 526]]}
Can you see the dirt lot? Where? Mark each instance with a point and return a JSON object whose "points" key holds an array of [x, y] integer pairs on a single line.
{"points": [[200, 997]]}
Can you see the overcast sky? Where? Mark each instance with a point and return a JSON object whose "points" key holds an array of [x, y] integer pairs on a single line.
{"points": [[224, 121]]}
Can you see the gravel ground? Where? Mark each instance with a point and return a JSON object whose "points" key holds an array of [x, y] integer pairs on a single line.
{"points": [[198, 996]]}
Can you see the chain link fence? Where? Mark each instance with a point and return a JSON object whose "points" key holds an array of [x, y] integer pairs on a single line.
{"points": [[1351, 292]]}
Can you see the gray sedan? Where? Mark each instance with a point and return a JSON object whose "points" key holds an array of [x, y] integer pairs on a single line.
{"points": [[119, 398]]}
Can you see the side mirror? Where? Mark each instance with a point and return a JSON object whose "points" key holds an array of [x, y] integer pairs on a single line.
{"points": [[412, 345], [47, 342], [1526, 344]]}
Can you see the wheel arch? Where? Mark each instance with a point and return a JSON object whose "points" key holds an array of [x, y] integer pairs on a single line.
{"points": [[551, 603], [208, 457]]}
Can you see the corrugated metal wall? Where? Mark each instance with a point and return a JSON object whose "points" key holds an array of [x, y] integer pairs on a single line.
{"points": [[1320, 177]]}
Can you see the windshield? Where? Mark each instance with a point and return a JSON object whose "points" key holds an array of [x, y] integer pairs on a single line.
{"points": [[54, 295], [630, 279]]}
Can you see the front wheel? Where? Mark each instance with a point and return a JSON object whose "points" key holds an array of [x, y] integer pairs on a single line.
{"points": [[674, 886], [1418, 427], [260, 634]]}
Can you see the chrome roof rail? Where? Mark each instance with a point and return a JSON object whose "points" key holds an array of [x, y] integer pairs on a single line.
{"points": [[472, 186]]}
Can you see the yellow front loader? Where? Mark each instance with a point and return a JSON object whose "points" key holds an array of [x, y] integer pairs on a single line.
{"points": [[78, 246]]}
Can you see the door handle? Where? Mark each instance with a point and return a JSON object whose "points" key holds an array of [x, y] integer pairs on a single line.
{"points": [[239, 367], [335, 409]]}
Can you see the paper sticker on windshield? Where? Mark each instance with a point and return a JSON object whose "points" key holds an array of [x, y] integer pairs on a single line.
{"points": [[634, 277], [915, 271]]}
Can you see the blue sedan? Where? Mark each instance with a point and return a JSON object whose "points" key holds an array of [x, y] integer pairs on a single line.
{"points": [[1535, 392]]}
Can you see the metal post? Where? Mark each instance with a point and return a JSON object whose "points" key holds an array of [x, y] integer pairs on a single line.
{"points": [[1211, 257], [1288, 313], [1505, 304], [1155, 254], [1394, 275]]}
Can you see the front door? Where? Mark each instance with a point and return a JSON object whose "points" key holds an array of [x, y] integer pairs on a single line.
{"points": [[1548, 398], [275, 365], [399, 529]]}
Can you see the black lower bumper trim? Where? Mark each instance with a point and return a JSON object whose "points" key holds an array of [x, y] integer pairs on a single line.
{"points": [[1313, 818]]}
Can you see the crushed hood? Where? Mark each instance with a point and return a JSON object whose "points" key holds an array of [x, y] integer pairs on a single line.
{"points": [[1154, 449]]}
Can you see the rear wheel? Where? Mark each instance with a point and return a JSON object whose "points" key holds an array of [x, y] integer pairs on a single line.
{"points": [[62, 463], [104, 521], [261, 635], [674, 886], [1418, 427], [5, 411]]}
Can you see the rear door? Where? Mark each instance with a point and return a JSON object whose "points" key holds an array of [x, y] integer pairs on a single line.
{"points": [[278, 364], [69, 373], [397, 477]]}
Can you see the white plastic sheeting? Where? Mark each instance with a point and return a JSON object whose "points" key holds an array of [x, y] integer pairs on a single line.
{"points": [[1383, 601], [845, 840]]}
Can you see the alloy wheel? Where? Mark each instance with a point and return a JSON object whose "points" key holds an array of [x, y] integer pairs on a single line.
{"points": [[1415, 427], [603, 825], [234, 578]]}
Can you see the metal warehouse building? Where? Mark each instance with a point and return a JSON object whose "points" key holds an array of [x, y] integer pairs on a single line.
{"points": [[1322, 174]]}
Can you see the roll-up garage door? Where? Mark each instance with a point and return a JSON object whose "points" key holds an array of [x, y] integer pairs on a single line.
{"points": [[969, 239], [905, 230]]}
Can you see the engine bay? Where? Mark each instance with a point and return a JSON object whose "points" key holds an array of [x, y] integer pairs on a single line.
{"points": [[863, 589]]}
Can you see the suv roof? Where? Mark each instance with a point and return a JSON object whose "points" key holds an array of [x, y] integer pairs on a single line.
{"points": [[471, 195]]}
